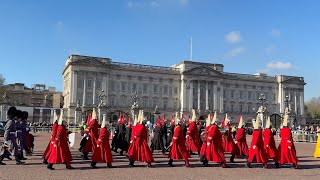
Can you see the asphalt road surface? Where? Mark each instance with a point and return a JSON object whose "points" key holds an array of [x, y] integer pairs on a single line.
{"points": [[34, 169]]}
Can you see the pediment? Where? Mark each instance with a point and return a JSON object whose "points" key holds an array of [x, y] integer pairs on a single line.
{"points": [[203, 71], [90, 61], [294, 80]]}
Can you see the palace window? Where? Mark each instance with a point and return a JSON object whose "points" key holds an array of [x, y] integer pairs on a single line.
{"points": [[165, 104], [175, 90], [155, 89], [112, 86], [123, 86], [80, 83], [145, 88], [249, 94], [90, 83], [241, 108], [98, 84], [134, 87], [111, 101], [144, 103], [165, 90], [232, 93], [241, 94], [170, 91]]}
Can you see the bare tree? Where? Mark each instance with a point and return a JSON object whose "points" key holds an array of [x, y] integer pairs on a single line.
{"points": [[2, 80], [313, 108]]}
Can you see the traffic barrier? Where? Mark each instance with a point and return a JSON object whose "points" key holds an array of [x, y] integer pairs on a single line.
{"points": [[301, 137]]}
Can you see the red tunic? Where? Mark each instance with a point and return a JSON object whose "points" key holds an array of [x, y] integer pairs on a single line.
{"points": [[270, 145], [204, 144], [257, 154], [139, 149], [102, 153], [178, 149], [93, 129], [61, 153], [214, 151], [52, 139], [287, 155], [228, 143], [193, 140], [242, 142]]}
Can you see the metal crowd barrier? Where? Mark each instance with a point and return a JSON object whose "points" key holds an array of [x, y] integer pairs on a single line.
{"points": [[47, 129], [301, 137]]}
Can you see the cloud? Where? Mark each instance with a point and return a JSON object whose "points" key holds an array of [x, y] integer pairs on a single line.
{"points": [[275, 33], [236, 51], [184, 2], [270, 49], [277, 66], [59, 26], [142, 4], [233, 37]]}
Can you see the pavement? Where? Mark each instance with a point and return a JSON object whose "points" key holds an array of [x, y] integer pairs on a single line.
{"points": [[34, 169]]}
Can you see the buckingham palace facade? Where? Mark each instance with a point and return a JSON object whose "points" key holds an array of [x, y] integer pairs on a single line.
{"points": [[181, 87]]}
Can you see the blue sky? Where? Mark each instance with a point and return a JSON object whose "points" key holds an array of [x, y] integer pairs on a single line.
{"points": [[247, 36]]}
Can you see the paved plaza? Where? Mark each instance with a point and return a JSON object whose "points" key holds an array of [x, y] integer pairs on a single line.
{"points": [[34, 169]]}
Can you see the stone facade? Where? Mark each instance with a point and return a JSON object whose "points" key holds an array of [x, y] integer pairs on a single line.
{"points": [[181, 87]]}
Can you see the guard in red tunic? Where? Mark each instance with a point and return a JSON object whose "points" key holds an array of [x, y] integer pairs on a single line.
{"points": [[139, 149], [228, 143], [60, 152], [241, 139], [286, 149], [204, 136], [178, 149], [192, 137], [102, 152], [46, 154], [214, 150], [270, 144], [257, 153], [93, 131]]}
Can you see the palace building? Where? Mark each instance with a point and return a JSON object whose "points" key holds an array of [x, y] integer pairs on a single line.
{"points": [[184, 86]]}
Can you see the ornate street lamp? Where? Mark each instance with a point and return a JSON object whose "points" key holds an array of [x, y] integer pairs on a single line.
{"points": [[262, 99]]}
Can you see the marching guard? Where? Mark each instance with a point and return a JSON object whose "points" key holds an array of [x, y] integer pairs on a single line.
{"points": [[229, 145], [241, 139], [157, 141], [257, 153], [164, 131], [214, 149], [270, 144], [139, 149], [286, 149], [178, 149], [102, 152], [93, 132], [50, 147], [192, 137], [204, 136], [60, 152]]}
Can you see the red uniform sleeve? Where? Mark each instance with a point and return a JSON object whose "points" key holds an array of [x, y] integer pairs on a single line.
{"points": [[211, 133], [176, 133], [191, 128]]}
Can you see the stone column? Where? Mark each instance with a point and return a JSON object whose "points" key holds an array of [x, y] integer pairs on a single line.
{"points": [[94, 90], [183, 94], [41, 114], [191, 96], [71, 88], [221, 98], [302, 103], [75, 87], [207, 96], [214, 101], [199, 95], [84, 90], [295, 103]]}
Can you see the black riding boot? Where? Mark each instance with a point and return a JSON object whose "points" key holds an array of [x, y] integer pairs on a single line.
{"points": [[170, 162], [93, 164], [232, 159], [50, 166]]}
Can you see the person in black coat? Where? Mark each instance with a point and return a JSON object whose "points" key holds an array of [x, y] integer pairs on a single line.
{"points": [[157, 141], [120, 141], [164, 131], [170, 132], [183, 127], [128, 133]]}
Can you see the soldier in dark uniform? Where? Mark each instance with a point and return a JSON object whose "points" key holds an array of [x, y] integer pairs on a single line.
{"points": [[24, 132], [10, 134], [164, 131], [20, 134]]}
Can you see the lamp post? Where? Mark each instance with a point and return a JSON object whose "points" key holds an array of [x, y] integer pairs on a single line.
{"points": [[156, 113], [135, 107], [262, 99], [102, 105], [262, 108]]}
